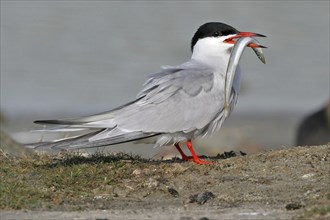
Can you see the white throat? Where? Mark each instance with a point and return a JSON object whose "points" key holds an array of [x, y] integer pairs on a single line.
{"points": [[212, 51]]}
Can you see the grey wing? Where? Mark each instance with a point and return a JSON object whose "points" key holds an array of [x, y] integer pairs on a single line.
{"points": [[177, 99]]}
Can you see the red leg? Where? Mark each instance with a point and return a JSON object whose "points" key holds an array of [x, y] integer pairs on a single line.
{"points": [[183, 155], [195, 157]]}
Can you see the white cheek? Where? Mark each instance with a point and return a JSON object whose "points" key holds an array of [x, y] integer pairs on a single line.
{"points": [[212, 51]]}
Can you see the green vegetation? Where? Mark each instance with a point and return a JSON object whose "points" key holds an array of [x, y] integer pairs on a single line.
{"points": [[294, 181], [73, 181], [45, 182]]}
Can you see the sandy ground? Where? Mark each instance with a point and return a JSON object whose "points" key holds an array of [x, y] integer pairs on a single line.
{"points": [[170, 212], [280, 184]]}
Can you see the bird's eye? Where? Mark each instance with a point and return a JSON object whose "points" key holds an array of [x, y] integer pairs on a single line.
{"points": [[216, 34]]}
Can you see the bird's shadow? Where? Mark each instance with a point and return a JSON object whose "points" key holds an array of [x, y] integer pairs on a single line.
{"points": [[69, 159]]}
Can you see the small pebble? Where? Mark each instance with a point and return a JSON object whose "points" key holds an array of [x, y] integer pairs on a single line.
{"points": [[137, 172], [201, 198], [173, 192]]}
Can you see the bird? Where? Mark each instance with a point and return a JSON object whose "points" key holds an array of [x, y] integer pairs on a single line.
{"points": [[176, 105]]}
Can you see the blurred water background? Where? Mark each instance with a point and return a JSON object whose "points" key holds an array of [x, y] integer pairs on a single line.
{"points": [[75, 58]]}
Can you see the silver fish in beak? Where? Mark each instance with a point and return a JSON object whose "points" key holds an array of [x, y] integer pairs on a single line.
{"points": [[235, 56]]}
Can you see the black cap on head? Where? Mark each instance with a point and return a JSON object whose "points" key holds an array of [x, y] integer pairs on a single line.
{"points": [[212, 29]]}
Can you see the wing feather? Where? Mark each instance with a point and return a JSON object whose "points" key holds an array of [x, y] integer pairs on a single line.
{"points": [[177, 99], [174, 100]]}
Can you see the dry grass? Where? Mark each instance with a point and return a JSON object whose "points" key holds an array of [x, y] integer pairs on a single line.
{"points": [[69, 182]]}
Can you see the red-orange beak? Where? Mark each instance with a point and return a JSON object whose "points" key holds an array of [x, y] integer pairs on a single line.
{"points": [[231, 40]]}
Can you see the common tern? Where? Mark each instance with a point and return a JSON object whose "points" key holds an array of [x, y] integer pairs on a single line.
{"points": [[176, 104]]}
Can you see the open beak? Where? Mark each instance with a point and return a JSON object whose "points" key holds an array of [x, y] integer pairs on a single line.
{"points": [[231, 40]]}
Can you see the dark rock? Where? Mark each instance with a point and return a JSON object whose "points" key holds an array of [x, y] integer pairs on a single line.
{"points": [[293, 206], [173, 192], [201, 198], [230, 154], [314, 128]]}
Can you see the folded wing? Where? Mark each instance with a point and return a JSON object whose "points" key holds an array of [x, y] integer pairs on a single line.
{"points": [[177, 99]]}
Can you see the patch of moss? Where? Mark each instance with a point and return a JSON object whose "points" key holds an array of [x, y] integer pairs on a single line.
{"points": [[317, 213], [45, 182]]}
